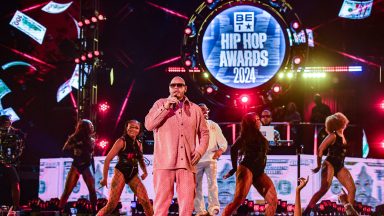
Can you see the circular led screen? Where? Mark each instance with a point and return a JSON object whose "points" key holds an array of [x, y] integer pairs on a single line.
{"points": [[243, 46]]}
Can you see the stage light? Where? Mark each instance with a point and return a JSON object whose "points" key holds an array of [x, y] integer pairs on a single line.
{"points": [[290, 75], [77, 60], [96, 53], [382, 105], [276, 88], [83, 58], [188, 30], [190, 61], [102, 143], [206, 75], [101, 17], [80, 24], [90, 55], [295, 25], [211, 3], [281, 75], [87, 22], [209, 90], [382, 144], [94, 19], [104, 107], [297, 60], [244, 99]]}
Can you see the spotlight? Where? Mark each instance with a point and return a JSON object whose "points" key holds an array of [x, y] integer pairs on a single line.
{"points": [[96, 53], [87, 22], [90, 55], [297, 60], [190, 30], [211, 3], [83, 58], [382, 105], [77, 60], [244, 99], [94, 19], [295, 25], [104, 107], [190, 61], [206, 75], [80, 24], [102, 143], [276, 88], [101, 17], [209, 90]]}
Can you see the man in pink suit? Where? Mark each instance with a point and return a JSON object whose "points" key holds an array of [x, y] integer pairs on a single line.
{"points": [[176, 123]]}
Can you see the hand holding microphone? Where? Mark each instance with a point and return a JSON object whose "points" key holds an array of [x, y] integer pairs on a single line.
{"points": [[171, 102]]}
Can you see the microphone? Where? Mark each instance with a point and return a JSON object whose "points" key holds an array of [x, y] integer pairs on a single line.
{"points": [[173, 105]]}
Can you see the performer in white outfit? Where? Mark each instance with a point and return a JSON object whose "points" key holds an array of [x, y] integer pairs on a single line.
{"points": [[208, 165]]}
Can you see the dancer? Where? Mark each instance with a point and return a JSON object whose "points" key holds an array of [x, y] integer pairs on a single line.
{"points": [[80, 144], [177, 123], [252, 148], [333, 165], [208, 165], [11, 146], [130, 153]]}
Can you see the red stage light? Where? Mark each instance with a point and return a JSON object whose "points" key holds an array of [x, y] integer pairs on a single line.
{"points": [[382, 105], [188, 30], [276, 89], [100, 17], [80, 24], [209, 1], [102, 143], [297, 60], [89, 55], [94, 19], [295, 25], [382, 144], [96, 53], [87, 22], [209, 90], [244, 99], [77, 60], [104, 107], [83, 58], [188, 62]]}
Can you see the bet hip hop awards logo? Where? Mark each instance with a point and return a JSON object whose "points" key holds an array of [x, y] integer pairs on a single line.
{"points": [[244, 21]]}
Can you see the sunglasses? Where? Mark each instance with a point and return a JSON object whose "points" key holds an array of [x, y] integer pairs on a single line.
{"points": [[178, 85], [265, 116]]}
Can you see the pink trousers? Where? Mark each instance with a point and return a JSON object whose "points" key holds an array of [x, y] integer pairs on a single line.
{"points": [[163, 182]]}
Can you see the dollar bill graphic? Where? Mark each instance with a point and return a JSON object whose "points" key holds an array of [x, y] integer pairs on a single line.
{"points": [[55, 8], [356, 9], [28, 26]]}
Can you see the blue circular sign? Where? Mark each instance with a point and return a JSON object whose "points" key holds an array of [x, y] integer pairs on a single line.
{"points": [[243, 46]]}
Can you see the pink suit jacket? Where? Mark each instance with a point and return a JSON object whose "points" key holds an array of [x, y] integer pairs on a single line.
{"points": [[175, 132]]}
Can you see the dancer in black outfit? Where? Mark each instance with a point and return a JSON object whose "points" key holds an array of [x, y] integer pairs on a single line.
{"points": [[80, 144], [333, 165], [252, 148], [11, 145], [130, 153]]}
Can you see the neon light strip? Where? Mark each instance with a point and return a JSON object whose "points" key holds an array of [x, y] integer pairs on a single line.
{"points": [[333, 69], [125, 103], [17, 63], [29, 57], [162, 63], [168, 10]]}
